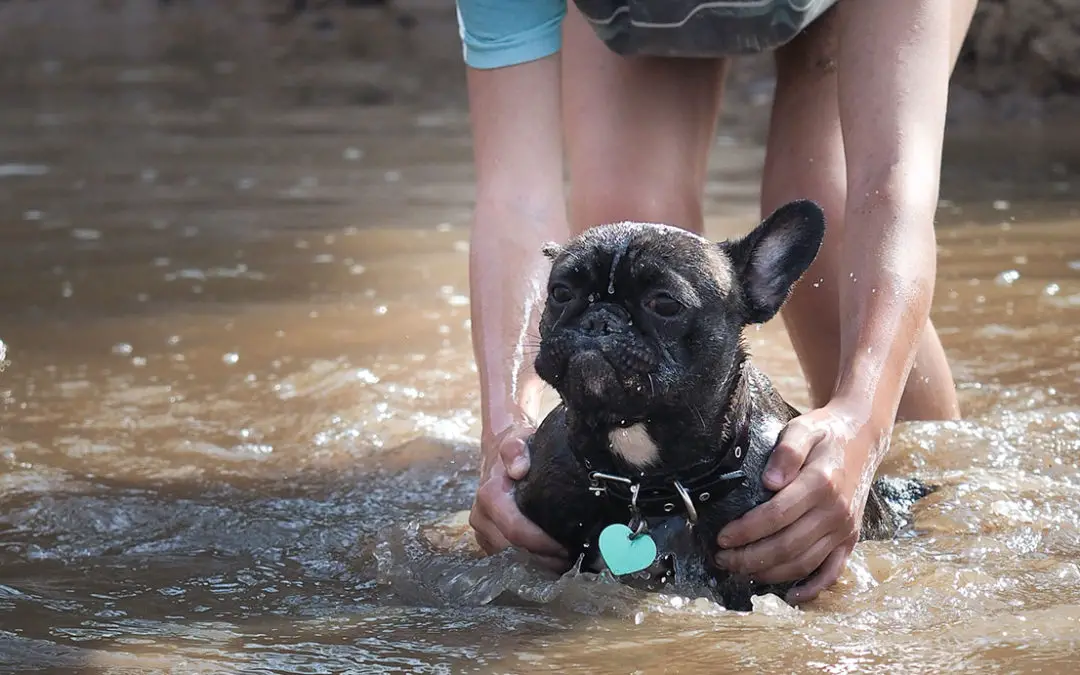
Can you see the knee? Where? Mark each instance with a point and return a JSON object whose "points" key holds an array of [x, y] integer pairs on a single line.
{"points": [[609, 201]]}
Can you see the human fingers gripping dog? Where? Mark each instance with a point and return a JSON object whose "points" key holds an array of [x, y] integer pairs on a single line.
{"points": [[496, 520]]}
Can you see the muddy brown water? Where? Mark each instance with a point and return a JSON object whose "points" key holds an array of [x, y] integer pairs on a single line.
{"points": [[239, 408]]}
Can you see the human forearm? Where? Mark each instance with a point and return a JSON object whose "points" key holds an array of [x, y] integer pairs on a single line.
{"points": [[885, 297], [520, 205], [893, 70], [506, 275]]}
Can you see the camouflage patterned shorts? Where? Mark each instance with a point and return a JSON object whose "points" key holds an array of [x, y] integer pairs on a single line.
{"points": [[692, 28]]}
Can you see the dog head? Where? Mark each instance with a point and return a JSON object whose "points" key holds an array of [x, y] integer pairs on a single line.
{"points": [[639, 314]]}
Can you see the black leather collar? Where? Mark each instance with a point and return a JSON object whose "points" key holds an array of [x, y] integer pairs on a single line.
{"points": [[658, 494]]}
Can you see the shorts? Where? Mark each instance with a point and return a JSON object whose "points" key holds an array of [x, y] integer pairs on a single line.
{"points": [[499, 33]]}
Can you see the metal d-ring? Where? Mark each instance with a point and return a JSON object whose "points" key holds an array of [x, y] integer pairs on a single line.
{"points": [[691, 512]]}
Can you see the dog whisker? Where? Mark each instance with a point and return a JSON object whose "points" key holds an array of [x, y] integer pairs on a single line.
{"points": [[697, 411]]}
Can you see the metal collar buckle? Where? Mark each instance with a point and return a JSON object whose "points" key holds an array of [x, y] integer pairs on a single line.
{"points": [[597, 489]]}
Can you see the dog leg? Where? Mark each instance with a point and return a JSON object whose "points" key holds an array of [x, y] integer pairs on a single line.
{"points": [[555, 494]]}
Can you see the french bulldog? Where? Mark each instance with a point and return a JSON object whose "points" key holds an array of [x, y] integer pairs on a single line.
{"points": [[664, 425]]}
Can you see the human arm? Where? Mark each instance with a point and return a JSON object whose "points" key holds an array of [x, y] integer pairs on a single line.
{"points": [[517, 141], [893, 65]]}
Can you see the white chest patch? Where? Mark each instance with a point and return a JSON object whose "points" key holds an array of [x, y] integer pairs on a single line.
{"points": [[634, 445]]}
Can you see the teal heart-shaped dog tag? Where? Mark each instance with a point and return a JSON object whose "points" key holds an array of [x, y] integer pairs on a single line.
{"points": [[623, 553]]}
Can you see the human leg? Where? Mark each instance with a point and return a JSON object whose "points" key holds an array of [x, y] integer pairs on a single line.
{"points": [[637, 131]]}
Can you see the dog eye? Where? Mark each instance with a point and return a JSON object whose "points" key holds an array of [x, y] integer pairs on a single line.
{"points": [[663, 305], [561, 293]]}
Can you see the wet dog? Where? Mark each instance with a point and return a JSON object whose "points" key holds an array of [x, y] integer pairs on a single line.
{"points": [[664, 425]]}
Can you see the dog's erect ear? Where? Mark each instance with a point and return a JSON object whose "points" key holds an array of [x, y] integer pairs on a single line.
{"points": [[774, 255], [551, 250]]}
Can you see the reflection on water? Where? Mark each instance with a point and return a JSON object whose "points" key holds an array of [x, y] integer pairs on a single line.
{"points": [[239, 407]]}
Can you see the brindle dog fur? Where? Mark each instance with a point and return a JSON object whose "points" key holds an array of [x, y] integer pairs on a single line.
{"points": [[642, 338]]}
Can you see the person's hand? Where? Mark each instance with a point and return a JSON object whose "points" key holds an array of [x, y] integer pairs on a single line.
{"points": [[821, 470], [495, 517]]}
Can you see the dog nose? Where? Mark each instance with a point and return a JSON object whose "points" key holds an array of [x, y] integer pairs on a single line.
{"points": [[597, 323], [604, 319]]}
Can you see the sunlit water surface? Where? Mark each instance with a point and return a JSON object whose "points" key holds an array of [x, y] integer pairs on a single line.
{"points": [[239, 409]]}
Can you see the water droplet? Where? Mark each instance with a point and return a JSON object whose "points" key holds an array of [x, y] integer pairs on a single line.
{"points": [[323, 258], [122, 349], [174, 340], [380, 310], [84, 234], [66, 289], [352, 154], [230, 358], [1007, 278], [357, 269], [1052, 289], [138, 361], [1001, 205]]}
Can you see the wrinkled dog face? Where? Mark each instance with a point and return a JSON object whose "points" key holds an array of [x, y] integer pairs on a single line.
{"points": [[637, 314]]}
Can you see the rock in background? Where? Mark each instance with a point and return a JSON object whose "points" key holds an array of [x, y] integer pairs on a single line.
{"points": [[1021, 58], [1031, 46]]}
